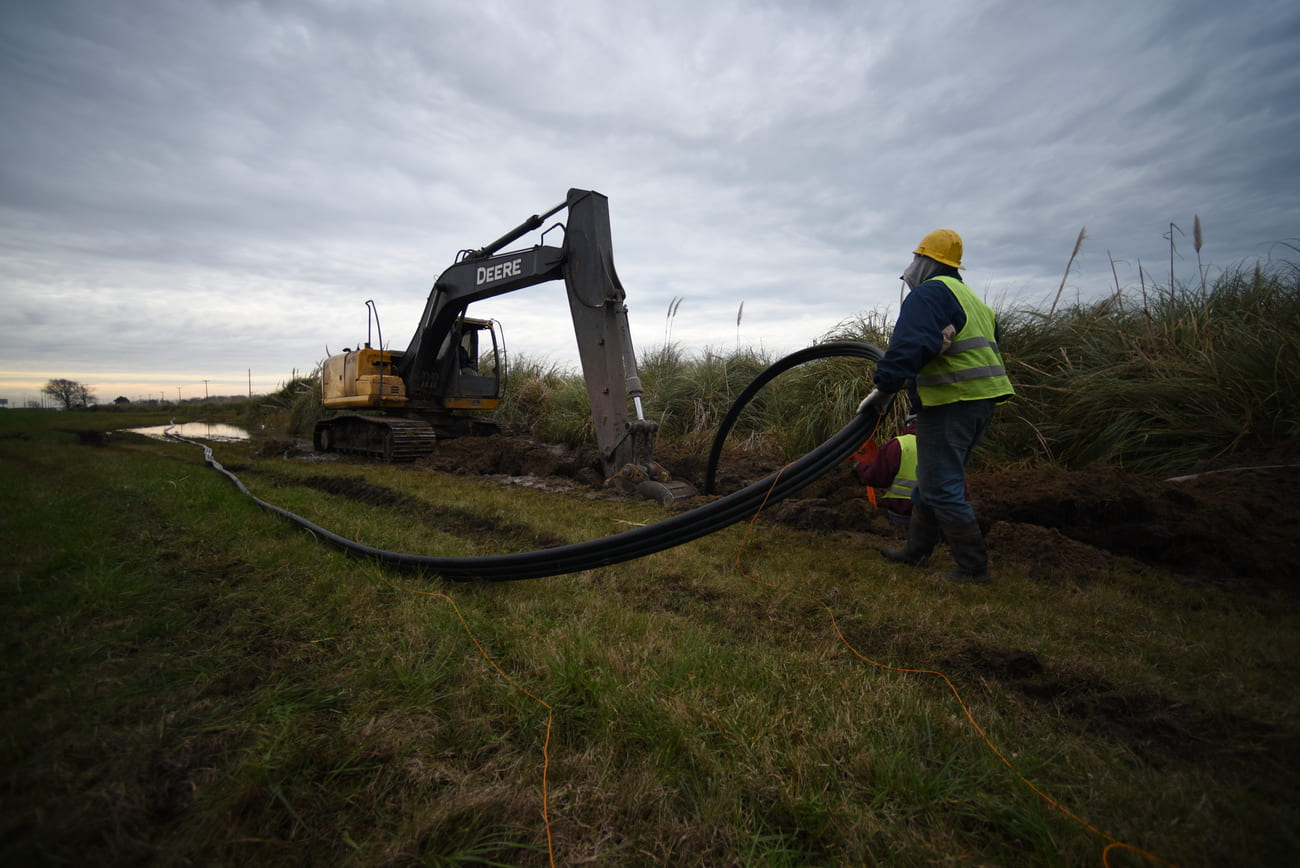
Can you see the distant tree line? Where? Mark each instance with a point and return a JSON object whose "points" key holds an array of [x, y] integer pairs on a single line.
{"points": [[71, 395]]}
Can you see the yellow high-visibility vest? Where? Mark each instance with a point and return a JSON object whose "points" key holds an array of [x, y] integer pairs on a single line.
{"points": [[905, 479], [971, 368]]}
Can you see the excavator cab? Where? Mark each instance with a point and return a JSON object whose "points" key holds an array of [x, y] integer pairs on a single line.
{"points": [[476, 377]]}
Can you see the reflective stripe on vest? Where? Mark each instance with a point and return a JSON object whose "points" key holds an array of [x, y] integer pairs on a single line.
{"points": [[905, 479], [971, 369]]}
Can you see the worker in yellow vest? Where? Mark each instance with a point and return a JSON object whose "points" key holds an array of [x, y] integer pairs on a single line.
{"points": [[944, 350]]}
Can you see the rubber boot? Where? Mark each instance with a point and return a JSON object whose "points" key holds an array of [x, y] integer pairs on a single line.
{"points": [[966, 542], [922, 536]]}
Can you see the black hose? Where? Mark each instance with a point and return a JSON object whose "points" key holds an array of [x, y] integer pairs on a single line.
{"points": [[831, 349], [628, 545]]}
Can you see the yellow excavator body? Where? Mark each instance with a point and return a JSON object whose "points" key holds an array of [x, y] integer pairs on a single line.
{"points": [[361, 378]]}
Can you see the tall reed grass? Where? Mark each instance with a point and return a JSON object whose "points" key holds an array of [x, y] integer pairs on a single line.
{"points": [[1154, 382]]}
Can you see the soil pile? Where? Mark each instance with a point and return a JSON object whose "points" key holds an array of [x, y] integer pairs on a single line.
{"points": [[1233, 523]]}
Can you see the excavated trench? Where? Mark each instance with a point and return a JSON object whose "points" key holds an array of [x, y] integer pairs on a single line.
{"points": [[1233, 525]]}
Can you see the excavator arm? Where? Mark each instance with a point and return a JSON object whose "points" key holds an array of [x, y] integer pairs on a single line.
{"points": [[600, 325], [425, 363]]}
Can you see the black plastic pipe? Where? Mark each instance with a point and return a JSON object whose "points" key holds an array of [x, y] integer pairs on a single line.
{"points": [[831, 349], [628, 545]]}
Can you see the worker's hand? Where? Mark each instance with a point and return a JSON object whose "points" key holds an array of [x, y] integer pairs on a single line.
{"points": [[860, 471], [878, 401]]}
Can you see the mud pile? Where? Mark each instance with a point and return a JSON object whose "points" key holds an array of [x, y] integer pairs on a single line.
{"points": [[1234, 523]]}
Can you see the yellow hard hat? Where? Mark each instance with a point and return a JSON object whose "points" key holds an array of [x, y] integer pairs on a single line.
{"points": [[941, 245]]}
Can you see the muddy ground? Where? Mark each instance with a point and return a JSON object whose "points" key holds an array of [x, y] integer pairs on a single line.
{"points": [[1232, 526], [1233, 523]]}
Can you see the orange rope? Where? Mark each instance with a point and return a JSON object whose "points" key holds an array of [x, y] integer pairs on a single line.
{"points": [[550, 712], [1113, 842]]}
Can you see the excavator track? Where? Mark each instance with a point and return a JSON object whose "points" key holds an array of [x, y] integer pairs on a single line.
{"points": [[389, 439]]}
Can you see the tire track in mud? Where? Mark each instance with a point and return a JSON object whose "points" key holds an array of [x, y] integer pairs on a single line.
{"points": [[441, 517]]}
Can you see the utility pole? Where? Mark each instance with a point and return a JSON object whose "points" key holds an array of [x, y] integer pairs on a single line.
{"points": [[205, 390]]}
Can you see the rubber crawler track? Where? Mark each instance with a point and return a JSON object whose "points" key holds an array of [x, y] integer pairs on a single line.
{"points": [[674, 531]]}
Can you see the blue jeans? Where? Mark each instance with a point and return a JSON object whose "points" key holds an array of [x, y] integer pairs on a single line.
{"points": [[946, 436]]}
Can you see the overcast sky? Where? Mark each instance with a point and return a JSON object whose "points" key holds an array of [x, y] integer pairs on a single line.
{"points": [[194, 190]]}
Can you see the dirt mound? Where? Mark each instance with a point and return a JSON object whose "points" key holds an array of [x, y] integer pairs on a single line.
{"points": [[1234, 527], [515, 456], [1232, 524]]}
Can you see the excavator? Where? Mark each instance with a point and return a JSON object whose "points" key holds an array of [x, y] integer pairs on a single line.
{"points": [[397, 404]]}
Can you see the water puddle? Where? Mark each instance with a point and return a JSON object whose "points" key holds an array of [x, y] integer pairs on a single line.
{"points": [[215, 431]]}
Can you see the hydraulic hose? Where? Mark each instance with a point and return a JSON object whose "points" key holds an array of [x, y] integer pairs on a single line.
{"points": [[627, 545], [831, 349]]}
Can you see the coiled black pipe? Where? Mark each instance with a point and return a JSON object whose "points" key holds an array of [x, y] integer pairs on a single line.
{"points": [[628, 545], [831, 349]]}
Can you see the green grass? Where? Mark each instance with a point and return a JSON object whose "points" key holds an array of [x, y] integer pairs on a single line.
{"points": [[189, 679]]}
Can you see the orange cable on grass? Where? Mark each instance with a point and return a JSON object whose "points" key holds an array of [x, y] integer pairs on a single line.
{"points": [[1113, 842], [550, 712]]}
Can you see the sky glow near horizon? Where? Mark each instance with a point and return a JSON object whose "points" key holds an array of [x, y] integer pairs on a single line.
{"points": [[197, 195]]}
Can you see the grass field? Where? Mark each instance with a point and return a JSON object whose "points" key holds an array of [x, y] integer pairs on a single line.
{"points": [[188, 679]]}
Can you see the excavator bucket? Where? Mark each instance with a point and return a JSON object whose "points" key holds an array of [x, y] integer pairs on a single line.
{"points": [[650, 481], [639, 473]]}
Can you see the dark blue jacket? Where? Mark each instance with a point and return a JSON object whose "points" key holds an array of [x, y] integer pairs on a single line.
{"points": [[918, 335]]}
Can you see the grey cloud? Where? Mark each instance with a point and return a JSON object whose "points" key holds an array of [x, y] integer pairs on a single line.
{"points": [[271, 165]]}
